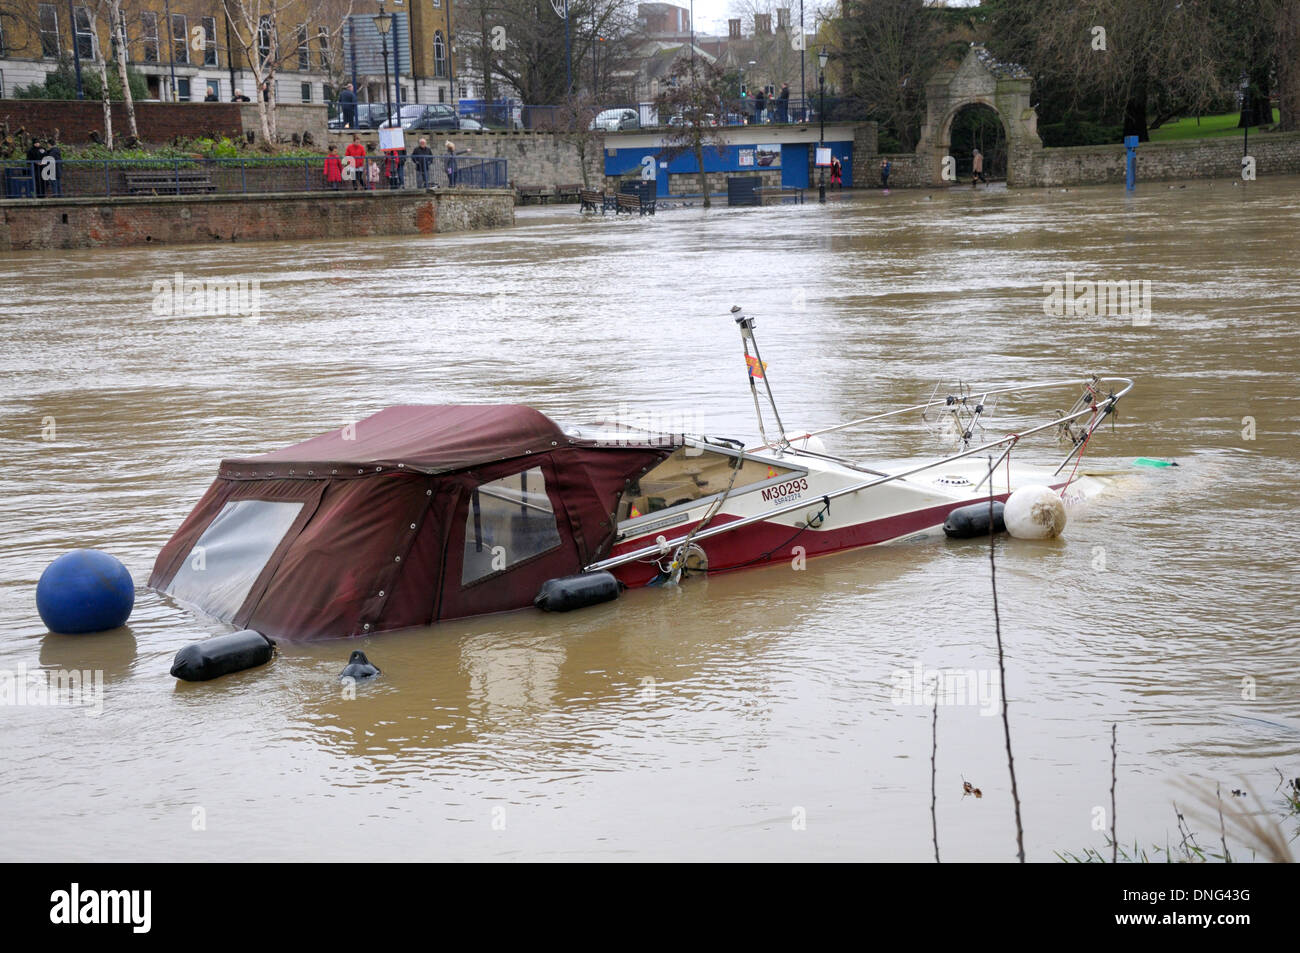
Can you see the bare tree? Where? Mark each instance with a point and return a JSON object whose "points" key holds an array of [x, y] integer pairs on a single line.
{"points": [[117, 30], [689, 100], [268, 33], [889, 49]]}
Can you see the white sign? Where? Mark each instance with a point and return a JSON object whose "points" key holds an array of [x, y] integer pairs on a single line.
{"points": [[823, 157], [391, 138], [746, 157]]}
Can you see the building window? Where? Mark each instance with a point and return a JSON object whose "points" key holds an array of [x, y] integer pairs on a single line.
{"points": [[323, 41], [182, 89], [213, 89], [209, 41], [149, 36], [463, 93], [437, 3], [85, 35], [180, 39], [306, 92], [439, 56], [304, 51], [442, 94], [49, 30], [265, 39]]}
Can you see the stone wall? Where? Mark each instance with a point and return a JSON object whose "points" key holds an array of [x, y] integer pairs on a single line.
{"points": [[157, 122], [89, 223], [906, 171], [290, 119], [1274, 153]]}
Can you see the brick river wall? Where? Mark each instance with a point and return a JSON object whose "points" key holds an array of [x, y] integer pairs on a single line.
{"points": [[90, 223]]}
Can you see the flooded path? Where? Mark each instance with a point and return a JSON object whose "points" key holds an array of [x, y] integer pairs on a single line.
{"points": [[701, 722]]}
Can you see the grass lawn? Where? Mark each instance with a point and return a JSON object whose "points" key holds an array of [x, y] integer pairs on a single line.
{"points": [[1224, 125]]}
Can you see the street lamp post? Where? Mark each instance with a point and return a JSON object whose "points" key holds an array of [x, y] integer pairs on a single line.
{"points": [[822, 57], [384, 23]]}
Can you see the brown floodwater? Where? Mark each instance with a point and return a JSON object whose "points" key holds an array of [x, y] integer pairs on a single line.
{"points": [[750, 715]]}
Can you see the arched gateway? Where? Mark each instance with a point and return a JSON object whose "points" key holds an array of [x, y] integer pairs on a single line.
{"points": [[979, 80]]}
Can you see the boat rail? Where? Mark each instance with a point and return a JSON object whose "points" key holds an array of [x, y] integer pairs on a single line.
{"points": [[1098, 408]]}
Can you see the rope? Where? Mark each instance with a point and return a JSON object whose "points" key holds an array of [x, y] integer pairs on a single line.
{"points": [[1082, 450], [825, 510]]}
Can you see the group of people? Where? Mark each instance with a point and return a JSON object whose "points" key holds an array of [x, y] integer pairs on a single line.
{"points": [[365, 171], [778, 106], [45, 159]]}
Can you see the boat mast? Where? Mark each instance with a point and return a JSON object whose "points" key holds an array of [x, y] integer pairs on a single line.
{"points": [[746, 338]]}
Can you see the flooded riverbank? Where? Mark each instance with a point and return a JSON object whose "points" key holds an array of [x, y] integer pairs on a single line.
{"points": [[707, 721]]}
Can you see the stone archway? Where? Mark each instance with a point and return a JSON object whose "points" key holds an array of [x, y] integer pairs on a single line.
{"points": [[980, 79]]}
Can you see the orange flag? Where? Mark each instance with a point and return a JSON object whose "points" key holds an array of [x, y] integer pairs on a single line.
{"points": [[755, 368]]}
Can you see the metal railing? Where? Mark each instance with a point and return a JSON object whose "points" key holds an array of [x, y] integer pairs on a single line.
{"points": [[113, 178]]}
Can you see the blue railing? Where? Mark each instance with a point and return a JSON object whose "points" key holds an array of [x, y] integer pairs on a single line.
{"points": [[727, 111], [111, 178]]}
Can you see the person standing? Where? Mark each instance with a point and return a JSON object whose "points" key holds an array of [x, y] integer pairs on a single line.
{"points": [[239, 97], [54, 158], [837, 174], [977, 170], [211, 96], [422, 157], [783, 104], [334, 169], [760, 101], [372, 175], [266, 92], [393, 169], [348, 107], [885, 167], [354, 161], [449, 165], [35, 157]]}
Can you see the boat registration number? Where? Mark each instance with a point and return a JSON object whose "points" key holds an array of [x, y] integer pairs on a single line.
{"points": [[785, 492]]}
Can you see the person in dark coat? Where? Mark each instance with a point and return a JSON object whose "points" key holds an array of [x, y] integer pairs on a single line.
{"points": [[393, 169], [35, 157], [211, 97], [348, 107], [239, 97], [759, 102], [449, 165], [422, 156], [783, 104]]}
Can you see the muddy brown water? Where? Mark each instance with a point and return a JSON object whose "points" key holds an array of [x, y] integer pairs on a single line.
{"points": [[750, 715]]}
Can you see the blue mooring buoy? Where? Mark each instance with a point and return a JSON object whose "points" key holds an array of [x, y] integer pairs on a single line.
{"points": [[85, 590]]}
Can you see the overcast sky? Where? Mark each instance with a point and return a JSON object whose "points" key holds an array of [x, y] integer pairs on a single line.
{"points": [[711, 15]]}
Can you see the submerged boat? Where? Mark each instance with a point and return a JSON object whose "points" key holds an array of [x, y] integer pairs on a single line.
{"points": [[420, 514]]}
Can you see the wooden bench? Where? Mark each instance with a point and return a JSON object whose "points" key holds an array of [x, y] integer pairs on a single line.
{"points": [[568, 193], [539, 192], [161, 182], [591, 200], [630, 203]]}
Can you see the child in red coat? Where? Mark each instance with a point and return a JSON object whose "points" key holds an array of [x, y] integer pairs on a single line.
{"points": [[334, 169]]}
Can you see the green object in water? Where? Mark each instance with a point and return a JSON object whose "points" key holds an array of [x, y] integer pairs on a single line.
{"points": [[1149, 462]]}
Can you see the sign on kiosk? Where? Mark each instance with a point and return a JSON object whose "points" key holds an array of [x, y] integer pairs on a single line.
{"points": [[391, 138], [823, 156]]}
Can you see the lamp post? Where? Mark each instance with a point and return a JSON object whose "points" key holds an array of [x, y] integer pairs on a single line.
{"points": [[384, 23], [822, 57]]}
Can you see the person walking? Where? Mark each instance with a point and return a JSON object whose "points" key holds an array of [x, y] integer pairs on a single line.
{"points": [[449, 165], [885, 167], [977, 170], [334, 169], [783, 104], [837, 174], [35, 162], [354, 163], [422, 157], [760, 101], [348, 107]]}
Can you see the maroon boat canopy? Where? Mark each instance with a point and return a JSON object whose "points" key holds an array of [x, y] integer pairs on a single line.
{"points": [[416, 514]]}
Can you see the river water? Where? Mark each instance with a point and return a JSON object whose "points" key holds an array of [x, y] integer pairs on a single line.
{"points": [[751, 715]]}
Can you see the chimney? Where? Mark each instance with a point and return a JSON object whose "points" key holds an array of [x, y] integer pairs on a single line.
{"points": [[733, 29], [762, 24], [783, 18]]}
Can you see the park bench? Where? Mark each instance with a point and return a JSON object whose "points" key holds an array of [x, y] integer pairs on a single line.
{"points": [[568, 193], [539, 192], [591, 200], [630, 203], [162, 181]]}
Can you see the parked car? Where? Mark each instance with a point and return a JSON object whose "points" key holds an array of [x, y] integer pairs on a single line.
{"points": [[418, 118], [369, 116], [616, 120], [470, 125]]}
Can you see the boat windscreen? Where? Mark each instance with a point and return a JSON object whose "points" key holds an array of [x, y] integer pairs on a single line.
{"points": [[690, 474]]}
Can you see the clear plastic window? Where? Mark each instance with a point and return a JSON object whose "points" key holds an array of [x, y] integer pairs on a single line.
{"points": [[509, 520], [232, 552]]}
